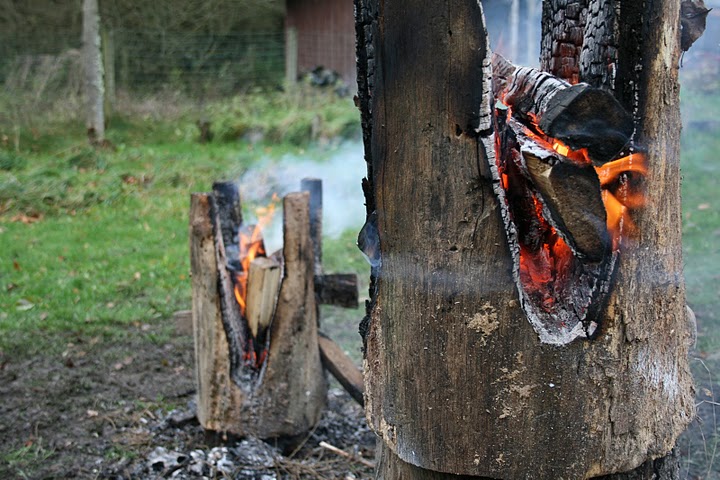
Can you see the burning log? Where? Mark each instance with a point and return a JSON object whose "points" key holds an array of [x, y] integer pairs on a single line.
{"points": [[255, 318], [454, 193], [585, 119], [281, 393]]}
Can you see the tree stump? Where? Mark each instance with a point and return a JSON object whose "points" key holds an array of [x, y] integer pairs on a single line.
{"points": [[494, 398], [284, 395]]}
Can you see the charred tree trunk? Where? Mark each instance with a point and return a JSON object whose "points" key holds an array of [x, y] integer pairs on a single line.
{"points": [[495, 399], [93, 68]]}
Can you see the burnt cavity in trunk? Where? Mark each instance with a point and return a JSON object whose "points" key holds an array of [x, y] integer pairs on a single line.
{"points": [[554, 142]]}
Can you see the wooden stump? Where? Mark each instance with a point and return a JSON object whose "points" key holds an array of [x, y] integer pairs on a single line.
{"points": [[286, 395]]}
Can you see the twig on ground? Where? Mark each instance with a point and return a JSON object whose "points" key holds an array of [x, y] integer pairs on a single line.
{"points": [[347, 455]]}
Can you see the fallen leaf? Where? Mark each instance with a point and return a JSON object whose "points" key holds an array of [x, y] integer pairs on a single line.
{"points": [[16, 265], [137, 275], [703, 206], [27, 219], [10, 287], [92, 413], [44, 316], [23, 305], [707, 392]]}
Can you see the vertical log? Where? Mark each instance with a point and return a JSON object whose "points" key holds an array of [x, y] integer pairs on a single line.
{"points": [[218, 397], [314, 187], [291, 55], [494, 400]]}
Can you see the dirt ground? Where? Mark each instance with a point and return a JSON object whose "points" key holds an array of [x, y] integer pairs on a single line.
{"points": [[125, 410]]}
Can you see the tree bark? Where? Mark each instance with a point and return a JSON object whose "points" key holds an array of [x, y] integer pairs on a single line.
{"points": [[93, 68], [494, 400]]}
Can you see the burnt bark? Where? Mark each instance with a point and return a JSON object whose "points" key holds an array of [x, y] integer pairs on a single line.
{"points": [[494, 400]]}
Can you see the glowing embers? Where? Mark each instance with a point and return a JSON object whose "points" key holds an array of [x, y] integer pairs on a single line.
{"points": [[556, 226]]}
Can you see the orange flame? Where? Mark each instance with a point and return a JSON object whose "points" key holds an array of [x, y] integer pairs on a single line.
{"points": [[622, 194], [580, 157], [251, 247]]}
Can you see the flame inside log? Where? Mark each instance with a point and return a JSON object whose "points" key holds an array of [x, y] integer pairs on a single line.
{"points": [[566, 219], [252, 246]]}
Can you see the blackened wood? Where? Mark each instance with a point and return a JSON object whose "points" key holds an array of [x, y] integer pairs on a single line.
{"points": [[598, 57], [493, 397], [342, 368], [563, 27], [339, 289], [693, 17], [314, 187], [579, 115], [227, 198]]}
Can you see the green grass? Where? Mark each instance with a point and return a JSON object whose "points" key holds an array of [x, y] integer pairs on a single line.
{"points": [[701, 214], [94, 241]]}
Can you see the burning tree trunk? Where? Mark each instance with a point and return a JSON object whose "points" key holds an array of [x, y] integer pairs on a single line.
{"points": [[258, 353], [243, 388], [517, 380]]}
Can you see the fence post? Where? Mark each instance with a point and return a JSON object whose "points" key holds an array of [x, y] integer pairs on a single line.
{"points": [[291, 55], [108, 53]]}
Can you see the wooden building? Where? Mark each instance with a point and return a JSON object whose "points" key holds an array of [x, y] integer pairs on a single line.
{"points": [[320, 33]]}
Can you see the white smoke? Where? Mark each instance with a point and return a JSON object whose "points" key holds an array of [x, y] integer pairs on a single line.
{"points": [[341, 169]]}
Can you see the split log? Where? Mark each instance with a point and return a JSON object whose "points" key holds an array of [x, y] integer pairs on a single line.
{"points": [[342, 368], [285, 397], [579, 115], [494, 400], [262, 290]]}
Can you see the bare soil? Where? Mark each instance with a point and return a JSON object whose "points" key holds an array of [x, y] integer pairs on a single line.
{"points": [[125, 409]]}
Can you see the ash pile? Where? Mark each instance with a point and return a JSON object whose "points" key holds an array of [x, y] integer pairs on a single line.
{"points": [[341, 446]]}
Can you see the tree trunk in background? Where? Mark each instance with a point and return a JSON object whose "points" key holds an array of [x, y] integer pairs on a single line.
{"points": [[457, 380], [531, 32], [93, 68], [514, 24]]}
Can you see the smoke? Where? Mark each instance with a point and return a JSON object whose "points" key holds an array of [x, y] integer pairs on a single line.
{"points": [[341, 169]]}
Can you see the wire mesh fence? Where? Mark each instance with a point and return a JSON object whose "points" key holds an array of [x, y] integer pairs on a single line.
{"points": [[41, 75]]}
